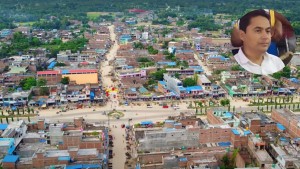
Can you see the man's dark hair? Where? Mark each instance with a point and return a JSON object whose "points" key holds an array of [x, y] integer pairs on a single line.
{"points": [[245, 20]]}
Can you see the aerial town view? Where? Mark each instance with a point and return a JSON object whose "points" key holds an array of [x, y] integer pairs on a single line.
{"points": [[148, 84]]}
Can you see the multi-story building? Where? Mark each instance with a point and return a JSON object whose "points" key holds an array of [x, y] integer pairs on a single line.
{"points": [[288, 119], [52, 77]]}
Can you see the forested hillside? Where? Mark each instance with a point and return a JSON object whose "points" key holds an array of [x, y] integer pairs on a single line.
{"points": [[33, 10]]}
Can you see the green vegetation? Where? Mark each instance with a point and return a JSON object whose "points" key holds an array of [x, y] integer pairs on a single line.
{"points": [[21, 43], [189, 82], [93, 15], [158, 75], [286, 72], [65, 80], [29, 82], [225, 102], [60, 64], [236, 68], [138, 45], [204, 23], [152, 51], [62, 23]]}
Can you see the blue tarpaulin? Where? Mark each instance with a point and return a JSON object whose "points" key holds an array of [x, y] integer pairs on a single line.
{"points": [[280, 127], [92, 95], [146, 122], [235, 132], [224, 144], [83, 166]]}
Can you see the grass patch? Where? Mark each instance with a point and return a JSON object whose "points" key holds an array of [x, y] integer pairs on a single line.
{"points": [[116, 114], [93, 15], [25, 23]]}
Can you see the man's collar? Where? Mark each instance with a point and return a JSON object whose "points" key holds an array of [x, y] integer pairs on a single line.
{"points": [[243, 59]]}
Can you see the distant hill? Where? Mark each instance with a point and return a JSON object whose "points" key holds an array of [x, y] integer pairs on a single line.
{"points": [[30, 10]]}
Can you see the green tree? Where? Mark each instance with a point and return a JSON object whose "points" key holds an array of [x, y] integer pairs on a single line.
{"points": [[65, 80], [236, 68], [41, 82], [138, 45], [189, 82], [27, 83], [152, 51], [159, 75]]}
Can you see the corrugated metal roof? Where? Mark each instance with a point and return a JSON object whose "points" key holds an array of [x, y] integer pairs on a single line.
{"points": [[83, 71], [48, 72], [10, 158], [3, 126]]}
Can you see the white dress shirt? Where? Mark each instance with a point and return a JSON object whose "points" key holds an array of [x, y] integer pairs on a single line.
{"points": [[270, 64]]}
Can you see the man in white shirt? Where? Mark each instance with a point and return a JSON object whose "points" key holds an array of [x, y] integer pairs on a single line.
{"points": [[255, 32]]}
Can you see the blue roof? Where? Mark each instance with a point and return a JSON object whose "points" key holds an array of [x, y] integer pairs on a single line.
{"points": [[143, 90], [283, 139], [11, 149], [280, 127], [169, 121], [133, 89], [162, 82], [294, 80], [146, 122], [183, 159], [181, 88], [224, 144], [51, 65], [228, 115], [235, 132], [85, 166], [184, 51], [167, 63], [222, 58], [195, 67], [177, 124], [3, 126], [10, 159], [128, 67], [64, 158], [247, 132], [193, 88], [65, 71]]}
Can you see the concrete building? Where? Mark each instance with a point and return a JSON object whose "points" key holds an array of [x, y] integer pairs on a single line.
{"points": [[222, 117], [257, 123], [52, 77], [256, 147], [289, 120]]}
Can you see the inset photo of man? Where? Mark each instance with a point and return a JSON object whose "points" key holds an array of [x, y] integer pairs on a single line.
{"points": [[265, 44]]}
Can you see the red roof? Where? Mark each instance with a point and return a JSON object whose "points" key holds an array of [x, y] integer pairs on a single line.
{"points": [[48, 72], [83, 71], [136, 10]]}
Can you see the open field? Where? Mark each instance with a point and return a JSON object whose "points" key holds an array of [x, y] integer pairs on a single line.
{"points": [[25, 23], [94, 15]]}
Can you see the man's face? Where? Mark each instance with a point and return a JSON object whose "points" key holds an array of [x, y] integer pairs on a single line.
{"points": [[258, 35]]}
